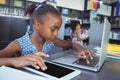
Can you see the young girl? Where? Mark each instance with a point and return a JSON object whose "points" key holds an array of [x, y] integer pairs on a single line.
{"points": [[77, 35], [30, 48]]}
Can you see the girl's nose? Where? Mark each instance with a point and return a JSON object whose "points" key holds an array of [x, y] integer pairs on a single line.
{"points": [[56, 33]]}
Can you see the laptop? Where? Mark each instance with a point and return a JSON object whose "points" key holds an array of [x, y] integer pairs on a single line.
{"points": [[55, 72], [70, 59]]}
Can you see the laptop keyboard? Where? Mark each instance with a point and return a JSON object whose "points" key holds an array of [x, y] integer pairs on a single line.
{"points": [[92, 63]]}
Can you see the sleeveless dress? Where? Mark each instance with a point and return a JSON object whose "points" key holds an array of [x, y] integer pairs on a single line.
{"points": [[28, 48], [74, 39]]}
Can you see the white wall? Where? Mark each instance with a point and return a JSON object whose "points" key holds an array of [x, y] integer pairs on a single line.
{"points": [[62, 29], [72, 4]]}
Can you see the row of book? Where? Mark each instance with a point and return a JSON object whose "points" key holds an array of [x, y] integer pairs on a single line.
{"points": [[115, 35], [114, 51]]}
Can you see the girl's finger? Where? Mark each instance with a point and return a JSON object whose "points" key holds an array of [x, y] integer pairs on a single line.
{"points": [[37, 59], [80, 55], [90, 54], [42, 64], [87, 59], [84, 54], [34, 65], [41, 54]]}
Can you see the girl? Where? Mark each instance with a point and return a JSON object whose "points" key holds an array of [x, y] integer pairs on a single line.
{"points": [[77, 35], [30, 48]]}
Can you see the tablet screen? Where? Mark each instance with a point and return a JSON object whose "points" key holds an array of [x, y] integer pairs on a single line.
{"points": [[55, 70]]}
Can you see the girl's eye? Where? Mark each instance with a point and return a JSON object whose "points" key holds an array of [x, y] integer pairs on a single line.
{"points": [[53, 29]]}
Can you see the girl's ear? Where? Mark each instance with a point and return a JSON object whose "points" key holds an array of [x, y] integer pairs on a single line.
{"points": [[37, 25]]}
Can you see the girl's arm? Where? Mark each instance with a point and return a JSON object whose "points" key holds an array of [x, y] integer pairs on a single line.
{"points": [[78, 33], [68, 44], [34, 59], [81, 52], [10, 50], [5, 61], [62, 43], [78, 36]]}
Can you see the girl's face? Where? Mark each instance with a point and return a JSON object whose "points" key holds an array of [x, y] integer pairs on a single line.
{"points": [[49, 26], [78, 27]]}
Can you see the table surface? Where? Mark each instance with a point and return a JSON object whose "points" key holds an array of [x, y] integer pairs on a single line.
{"points": [[109, 71]]}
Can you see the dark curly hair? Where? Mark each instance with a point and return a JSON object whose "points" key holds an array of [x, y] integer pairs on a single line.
{"points": [[73, 24], [40, 12]]}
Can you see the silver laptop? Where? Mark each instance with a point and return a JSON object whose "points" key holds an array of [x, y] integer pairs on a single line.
{"points": [[71, 59]]}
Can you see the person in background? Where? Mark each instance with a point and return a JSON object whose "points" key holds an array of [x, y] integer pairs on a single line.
{"points": [[78, 35], [31, 48]]}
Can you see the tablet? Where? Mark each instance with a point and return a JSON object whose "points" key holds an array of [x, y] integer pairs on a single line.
{"points": [[56, 71]]}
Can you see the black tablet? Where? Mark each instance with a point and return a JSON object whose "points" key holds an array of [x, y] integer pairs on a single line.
{"points": [[56, 71]]}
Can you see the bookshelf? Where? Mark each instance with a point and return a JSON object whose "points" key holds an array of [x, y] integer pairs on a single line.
{"points": [[14, 7], [82, 16], [67, 31], [4, 6], [12, 21], [115, 30]]}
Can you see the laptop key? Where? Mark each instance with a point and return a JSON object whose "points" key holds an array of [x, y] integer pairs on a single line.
{"points": [[92, 63]]}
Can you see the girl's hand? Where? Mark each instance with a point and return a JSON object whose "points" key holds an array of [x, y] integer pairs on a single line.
{"points": [[78, 32], [86, 54], [83, 53], [34, 60]]}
